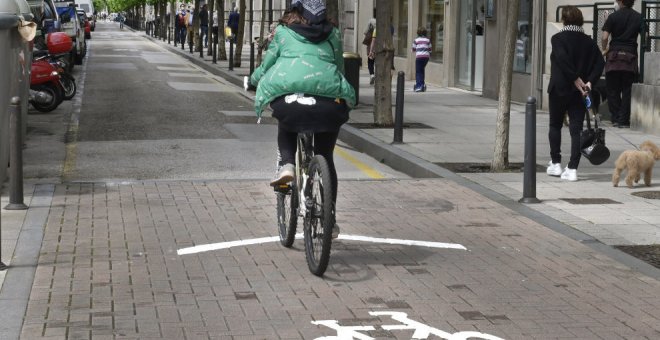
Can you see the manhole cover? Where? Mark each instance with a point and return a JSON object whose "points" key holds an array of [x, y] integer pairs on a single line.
{"points": [[648, 194], [648, 253], [589, 201], [485, 167], [407, 125]]}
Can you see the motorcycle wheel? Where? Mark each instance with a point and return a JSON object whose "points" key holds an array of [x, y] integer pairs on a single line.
{"points": [[55, 94], [68, 85]]}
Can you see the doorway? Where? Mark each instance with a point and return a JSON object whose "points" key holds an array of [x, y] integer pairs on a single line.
{"points": [[471, 45]]}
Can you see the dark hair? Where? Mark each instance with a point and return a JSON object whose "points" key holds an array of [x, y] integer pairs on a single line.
{"points": [[628, 3], [571, 15], [421, 31]]}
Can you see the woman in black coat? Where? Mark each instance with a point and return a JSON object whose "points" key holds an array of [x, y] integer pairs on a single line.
{"points": [[576, 63]]}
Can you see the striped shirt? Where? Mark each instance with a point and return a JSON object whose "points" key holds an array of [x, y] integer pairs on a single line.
{"points": [[422, 47]]}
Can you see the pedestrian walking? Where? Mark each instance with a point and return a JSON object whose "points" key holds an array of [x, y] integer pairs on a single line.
{"points": [[302, 78], [204, 24], [576, 63], [368, 38], [422, 48], [180, 26], [189, 26], [232, 21], [619, 43]]}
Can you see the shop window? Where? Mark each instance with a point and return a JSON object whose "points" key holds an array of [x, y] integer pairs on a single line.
{"points": [[432, 17], [400, 34], [522, 60]]}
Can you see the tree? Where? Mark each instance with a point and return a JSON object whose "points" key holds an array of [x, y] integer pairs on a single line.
{"points": [[222, 53], [262, 39], [501, 151], [384, 51], [240, 35], [332, 10]]}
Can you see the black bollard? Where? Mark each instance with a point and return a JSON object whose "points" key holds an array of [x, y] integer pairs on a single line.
{"points": [[231, 54], [529, 177], [15, 156], [215, 45], [398, 116], [201, 45], [183, 42], [251, 57], [190, 42], [169, 35]]}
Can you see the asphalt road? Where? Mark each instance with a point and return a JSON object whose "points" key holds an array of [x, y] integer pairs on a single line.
{"points": [[148, 114]]}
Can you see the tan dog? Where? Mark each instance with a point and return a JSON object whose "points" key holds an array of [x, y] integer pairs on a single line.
{"points": [[637, 162]]}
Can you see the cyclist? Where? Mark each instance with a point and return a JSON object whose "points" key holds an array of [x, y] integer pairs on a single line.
{"points": [[302, 79]]}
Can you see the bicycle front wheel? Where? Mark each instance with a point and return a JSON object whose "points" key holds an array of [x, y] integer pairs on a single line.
{"points": [[320, 217], [287, 214]]}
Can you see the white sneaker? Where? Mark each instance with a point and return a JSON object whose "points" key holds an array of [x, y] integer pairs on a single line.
{"points": [[372, 80], [284, 175], [554, 169], [569, 175]]}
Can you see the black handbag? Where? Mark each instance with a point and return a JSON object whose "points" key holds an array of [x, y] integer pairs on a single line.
{"points": [[592, 141]]}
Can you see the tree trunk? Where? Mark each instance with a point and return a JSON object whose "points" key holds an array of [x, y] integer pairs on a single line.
{"points": [[332, 10], [262, 39], [240, 36], [209, 36], [196, 26], [222, 52], [384, 51], [501, 152]]}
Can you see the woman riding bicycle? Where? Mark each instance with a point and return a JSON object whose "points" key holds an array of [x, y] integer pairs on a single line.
{"points": [[302, 79]]}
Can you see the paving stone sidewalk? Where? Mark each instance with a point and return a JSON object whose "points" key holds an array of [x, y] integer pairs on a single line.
{"points": [[109, 268]]}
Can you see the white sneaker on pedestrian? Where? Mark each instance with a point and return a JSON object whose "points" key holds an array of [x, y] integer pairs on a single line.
{"points": [[554, 169], [372, 79], [284, 175], [569, 175]]}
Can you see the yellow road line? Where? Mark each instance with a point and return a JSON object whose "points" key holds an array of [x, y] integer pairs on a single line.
{"points": [[369, 171]]}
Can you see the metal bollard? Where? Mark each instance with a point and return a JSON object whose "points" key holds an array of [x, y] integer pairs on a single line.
{"points": [[251, 57], [190, 42], [529, 177], [231, 54], [215, 48], [15, 156], [201, 45], [169, 35], [398, 116]]}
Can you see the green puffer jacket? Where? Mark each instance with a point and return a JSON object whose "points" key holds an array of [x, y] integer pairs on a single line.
{"points": [[295, 65]]}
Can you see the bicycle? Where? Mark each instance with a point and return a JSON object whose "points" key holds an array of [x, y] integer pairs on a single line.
{"points": [[313, 183]]}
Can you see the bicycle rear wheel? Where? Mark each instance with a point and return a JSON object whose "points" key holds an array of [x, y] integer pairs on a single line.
{"points": [[320, 217], [287, 214]]}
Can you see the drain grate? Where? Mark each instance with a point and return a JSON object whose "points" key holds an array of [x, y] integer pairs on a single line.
{"points": [[589, 201], [647, 253], [655, 195], [407, 125]]}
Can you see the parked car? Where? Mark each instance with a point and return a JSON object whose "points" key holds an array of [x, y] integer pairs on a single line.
{"points": [[90, 12], [86, 23], [45, 16], [74, 28]]}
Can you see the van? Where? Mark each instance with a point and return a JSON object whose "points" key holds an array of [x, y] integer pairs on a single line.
{"points": [[88, 7]]}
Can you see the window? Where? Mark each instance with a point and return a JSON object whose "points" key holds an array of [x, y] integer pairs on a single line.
{"points": [[400, 35], [432, 17], [522, 59]]}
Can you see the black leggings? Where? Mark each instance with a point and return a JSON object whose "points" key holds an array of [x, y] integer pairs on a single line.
{"points": [[324, 145], [574, 105]]}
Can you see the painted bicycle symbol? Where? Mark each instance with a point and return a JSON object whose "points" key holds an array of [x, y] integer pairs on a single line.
{"points": [[421, 331]]}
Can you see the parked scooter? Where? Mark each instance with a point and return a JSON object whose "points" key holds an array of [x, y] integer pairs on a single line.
{"points": [[45, 78]]}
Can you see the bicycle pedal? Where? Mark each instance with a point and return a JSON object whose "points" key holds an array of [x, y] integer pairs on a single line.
{"points": [[283, 188]]}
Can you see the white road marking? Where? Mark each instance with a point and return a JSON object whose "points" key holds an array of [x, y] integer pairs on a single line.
{"points": [[230, 244]]}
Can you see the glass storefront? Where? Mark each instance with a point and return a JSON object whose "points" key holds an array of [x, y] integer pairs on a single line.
{"points": [[432, 17], [522, 60], [401, 32], [471, 45]]}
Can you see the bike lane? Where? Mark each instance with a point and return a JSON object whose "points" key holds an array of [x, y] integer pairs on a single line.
{"points": [[110, 266]]}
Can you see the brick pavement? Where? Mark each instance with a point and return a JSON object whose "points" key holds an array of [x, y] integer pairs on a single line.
{"points": [[109, 269]]}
